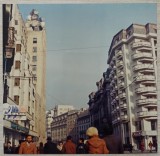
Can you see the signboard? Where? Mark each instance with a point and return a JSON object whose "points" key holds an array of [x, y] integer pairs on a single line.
{"points": [[14, 112], [19, 128], [18, 116], [11, 109]]}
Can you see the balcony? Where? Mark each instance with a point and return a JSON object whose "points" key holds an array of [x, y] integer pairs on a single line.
{"points": [[124, 117], [120, 74], [121, 85], [117, 98], [145, 89], [142, 55], [115, 77], [123, 105], [119, 63], [143, 114], [29, 116], [122, 95], [140, 78], [119, 53], [140, 102], [116, 120], [141, 44], [114, 67], [143, 66]]}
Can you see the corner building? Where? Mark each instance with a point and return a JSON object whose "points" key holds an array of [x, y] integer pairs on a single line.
{"points": [[36, 47], [133, 81]]}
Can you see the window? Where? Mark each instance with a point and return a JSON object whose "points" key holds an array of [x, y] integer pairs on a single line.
{"points": [[34, 58], [18, 47], [28, 109], [34, 68], [16, 81], [34, 40], [32, 115], [153, 125], [29, 96], [16, 99], [16, 22], [34, 49], [17, 64]]}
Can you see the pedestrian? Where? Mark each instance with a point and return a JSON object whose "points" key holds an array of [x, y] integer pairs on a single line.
{"points": [[95, 145], [142, 146], [28, 146], [8, 148], [17, 148], [60, 146], [50, 147], [69, 147], [81, 147], [113, 142], [40, 148], [150, 146]]}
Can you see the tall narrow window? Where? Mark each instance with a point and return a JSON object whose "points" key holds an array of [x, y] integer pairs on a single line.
{"points": [[18, 47], [34, 58], [16, 99], [16, 81], [34, 49], [34, 40], [16, 22], [17, 64]]}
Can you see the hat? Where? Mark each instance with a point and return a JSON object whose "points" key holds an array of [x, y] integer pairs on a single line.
{"points": [[91, 131]]}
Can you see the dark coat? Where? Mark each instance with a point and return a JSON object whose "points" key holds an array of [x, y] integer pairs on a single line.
{"points": [[114, 144], [8, 150], [50, 148], [81, 149]]}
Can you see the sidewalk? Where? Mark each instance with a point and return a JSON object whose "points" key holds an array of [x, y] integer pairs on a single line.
{"points": [[138, 151]]}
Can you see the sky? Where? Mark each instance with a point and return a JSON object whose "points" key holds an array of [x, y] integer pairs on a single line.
{"points": [[78, 41]]}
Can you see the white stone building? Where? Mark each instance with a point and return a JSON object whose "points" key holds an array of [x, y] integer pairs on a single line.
{"points": [[21, 90], [132, 60]]}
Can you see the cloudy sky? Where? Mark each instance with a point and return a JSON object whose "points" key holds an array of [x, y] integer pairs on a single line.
{"points": [[78, 40]]}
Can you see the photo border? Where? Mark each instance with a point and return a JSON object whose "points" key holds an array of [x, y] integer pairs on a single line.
{"points": [[79, 2]]}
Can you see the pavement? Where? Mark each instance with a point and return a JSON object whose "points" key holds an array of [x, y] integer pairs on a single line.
{"points": [[139, 152]]}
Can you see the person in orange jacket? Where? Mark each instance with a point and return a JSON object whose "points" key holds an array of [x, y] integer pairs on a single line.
{"points": [[95, 145], [28, 147]]}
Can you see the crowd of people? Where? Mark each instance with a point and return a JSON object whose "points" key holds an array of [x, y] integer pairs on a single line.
{"points": [[109, 144]]}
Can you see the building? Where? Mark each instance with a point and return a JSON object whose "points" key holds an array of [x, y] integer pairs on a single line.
{"points": [[56, 111], [19, 90], [64, 125], [49, 119], [99, 104], [36, 47], [133, 75], [60, 109], [83, 123]]}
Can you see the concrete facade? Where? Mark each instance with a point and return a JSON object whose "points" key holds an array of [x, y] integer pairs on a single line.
{"points": [[83, 123], [133, 77], [36, 47], [20, 89]]}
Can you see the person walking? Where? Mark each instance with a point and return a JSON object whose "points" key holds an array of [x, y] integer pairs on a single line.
{"points": [[150, 146], [40, 148], [50, 147], [8, 148], [60, 146], [69, 147], [113, 142], [95, 145], [28, 147], [81, 147], [142, 146]]}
